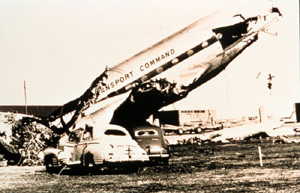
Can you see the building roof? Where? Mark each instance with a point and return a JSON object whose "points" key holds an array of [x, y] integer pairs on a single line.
{"points": [[36, 110]]}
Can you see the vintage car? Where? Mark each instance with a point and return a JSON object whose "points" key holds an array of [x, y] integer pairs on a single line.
{"points": [[152, 140], [96, 146]]}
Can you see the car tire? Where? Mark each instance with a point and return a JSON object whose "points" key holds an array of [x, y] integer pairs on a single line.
{"points": [[89, 161], [50, 166], [180, 131], [198, 129]]}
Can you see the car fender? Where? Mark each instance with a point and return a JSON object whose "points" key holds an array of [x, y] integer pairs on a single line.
{"points": [[92, 153], [62, 156], [52, 151]]}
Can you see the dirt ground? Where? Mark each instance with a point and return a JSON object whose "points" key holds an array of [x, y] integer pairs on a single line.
{"points": [[207, 168]]}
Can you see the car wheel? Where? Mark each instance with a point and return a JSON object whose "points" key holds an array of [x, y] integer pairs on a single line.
{"points": [[198, 129], [89, 164], [50, 166], [180, 131]]}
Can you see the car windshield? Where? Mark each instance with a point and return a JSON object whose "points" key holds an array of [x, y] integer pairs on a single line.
{"points": [[114, 132], [146, 133]]}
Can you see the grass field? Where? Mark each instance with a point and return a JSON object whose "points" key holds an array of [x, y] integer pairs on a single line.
{"points": [[193, 168]]}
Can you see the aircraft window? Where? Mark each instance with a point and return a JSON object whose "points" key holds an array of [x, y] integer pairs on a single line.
{"points": [[114, 132]]}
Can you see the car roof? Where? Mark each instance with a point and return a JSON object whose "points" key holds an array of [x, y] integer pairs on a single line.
{"points": [[101, 127], [108, 126], [146, 127]]}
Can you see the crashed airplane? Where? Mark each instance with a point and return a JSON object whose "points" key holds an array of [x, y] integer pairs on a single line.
{"points": [[128, 93]]}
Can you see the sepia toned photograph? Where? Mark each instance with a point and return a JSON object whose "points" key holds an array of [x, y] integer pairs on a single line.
{"points": [[149, 96]]}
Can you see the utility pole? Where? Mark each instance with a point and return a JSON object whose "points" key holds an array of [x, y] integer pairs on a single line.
{"points": [[25, 97]]}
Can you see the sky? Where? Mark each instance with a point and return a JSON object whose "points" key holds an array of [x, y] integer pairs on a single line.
{"points": [[59, 47]]}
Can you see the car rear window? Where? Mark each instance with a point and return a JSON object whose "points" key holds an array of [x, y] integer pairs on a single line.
{"points": [[146, 133], [114, 132]]}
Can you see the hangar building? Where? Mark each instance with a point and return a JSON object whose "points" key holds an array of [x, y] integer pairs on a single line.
{"points": [[188, 117]]}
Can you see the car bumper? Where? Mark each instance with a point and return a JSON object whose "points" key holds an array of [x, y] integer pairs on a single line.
{"points": [[133, 160], [158, 155]]}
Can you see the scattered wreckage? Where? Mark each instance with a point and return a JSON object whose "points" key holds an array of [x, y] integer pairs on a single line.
{"points": [[276, 131], [22, 140]]}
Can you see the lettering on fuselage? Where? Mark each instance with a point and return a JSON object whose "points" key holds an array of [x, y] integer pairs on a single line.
{"points": [[157, 59], [125, 77], [117, 81]]}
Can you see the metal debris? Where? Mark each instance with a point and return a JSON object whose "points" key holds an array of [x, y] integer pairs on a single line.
{"points": [[25, 141]]}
